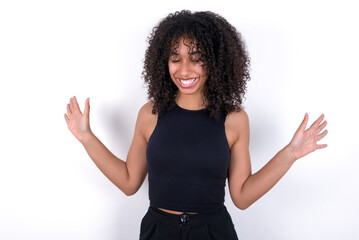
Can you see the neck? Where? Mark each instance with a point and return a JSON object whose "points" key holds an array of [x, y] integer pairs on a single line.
{"points": [[190, 102]]}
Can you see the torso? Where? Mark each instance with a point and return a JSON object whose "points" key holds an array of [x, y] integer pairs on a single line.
{"points": [[150, 124]]}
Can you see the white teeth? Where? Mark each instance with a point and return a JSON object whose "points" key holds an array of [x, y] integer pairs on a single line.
{"points": [[186, 82]]}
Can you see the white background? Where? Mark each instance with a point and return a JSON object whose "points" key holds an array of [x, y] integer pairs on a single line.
{"points": [[304, 59]]}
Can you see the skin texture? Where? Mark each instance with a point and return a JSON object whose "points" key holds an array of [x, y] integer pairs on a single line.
{"points": [[244, 186]]}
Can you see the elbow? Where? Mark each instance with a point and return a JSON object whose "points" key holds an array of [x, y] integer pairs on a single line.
{"points": [[243, 205], [126, 190], [127, 187], [130, 187], [242, 201], [129, 192]]}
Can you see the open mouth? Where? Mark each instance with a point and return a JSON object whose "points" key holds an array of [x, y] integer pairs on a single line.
{"points": [[189, 82]]}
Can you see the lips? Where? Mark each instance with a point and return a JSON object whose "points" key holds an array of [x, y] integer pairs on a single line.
{"points": [[187, 82]]}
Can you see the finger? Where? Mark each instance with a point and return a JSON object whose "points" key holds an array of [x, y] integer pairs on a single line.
{"points": [[317, 122], [69, 112], [323, 134], [74, 105], [71, 105], [87, 107], [322, 126], [67, 119], [320, 146], [304, 123]]}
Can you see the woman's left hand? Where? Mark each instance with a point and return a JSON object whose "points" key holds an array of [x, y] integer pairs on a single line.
{"points": [[305, 141]]}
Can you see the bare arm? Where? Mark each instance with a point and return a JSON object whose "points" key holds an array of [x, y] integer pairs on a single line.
{"points": [[245, 187], [127, 179]]}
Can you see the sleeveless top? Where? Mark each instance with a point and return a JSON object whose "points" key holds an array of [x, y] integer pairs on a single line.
{"points": [[188, 159]]}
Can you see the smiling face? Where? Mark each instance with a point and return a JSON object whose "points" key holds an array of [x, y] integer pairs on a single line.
{"points": [[186, 68]]}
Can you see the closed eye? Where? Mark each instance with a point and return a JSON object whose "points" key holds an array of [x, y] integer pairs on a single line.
{"points": [[195, 56], [174, 57]]}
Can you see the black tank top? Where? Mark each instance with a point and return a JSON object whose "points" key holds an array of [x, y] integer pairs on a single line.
{"points": [[188, 158]]}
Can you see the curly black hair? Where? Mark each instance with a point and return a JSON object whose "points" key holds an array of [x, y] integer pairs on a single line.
{"points": [[222, 51]]}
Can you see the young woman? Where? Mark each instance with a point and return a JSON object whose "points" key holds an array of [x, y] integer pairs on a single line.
{"points": [[193, 133]]}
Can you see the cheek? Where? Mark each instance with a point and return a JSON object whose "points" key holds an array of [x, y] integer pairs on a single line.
{"points": [[171, 66], [201, 71], [171, 69], [204, 75]]}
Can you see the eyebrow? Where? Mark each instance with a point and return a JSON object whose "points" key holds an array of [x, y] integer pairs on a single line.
{"points": [[194, 53], [190, 53]]}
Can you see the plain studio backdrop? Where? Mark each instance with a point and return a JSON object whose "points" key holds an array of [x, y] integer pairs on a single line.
{"points": [[304, 57]]}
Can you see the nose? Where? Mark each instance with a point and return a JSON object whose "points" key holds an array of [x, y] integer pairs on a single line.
{"points": [[185, 69]]}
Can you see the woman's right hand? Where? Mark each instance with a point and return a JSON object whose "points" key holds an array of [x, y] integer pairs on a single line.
{"points": [[78, 122]]}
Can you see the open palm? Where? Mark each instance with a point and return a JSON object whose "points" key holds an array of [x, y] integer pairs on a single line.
{"points": [[305, 141], [78, 122]]}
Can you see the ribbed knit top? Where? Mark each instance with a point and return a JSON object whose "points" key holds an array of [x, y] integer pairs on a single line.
{"points": [[188, 158]]}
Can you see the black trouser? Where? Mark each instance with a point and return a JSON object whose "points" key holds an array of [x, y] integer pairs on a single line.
{"points": [[160, 225]]}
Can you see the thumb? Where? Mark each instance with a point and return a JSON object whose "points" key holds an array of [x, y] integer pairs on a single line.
{"points": [[87, 107]]}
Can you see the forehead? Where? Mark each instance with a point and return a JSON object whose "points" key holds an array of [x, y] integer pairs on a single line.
{"points": [[183, 43]]}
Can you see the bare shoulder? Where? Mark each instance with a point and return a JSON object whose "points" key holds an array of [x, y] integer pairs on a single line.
{"points": [[146, 108], [237, 117], [147, 119], [237, 125]]}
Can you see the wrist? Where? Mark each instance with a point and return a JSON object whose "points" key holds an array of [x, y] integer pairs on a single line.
{"points": [[86, 137], [290, 155]]}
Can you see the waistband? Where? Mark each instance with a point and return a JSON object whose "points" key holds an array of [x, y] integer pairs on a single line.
{"points": [[192, 218]]}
